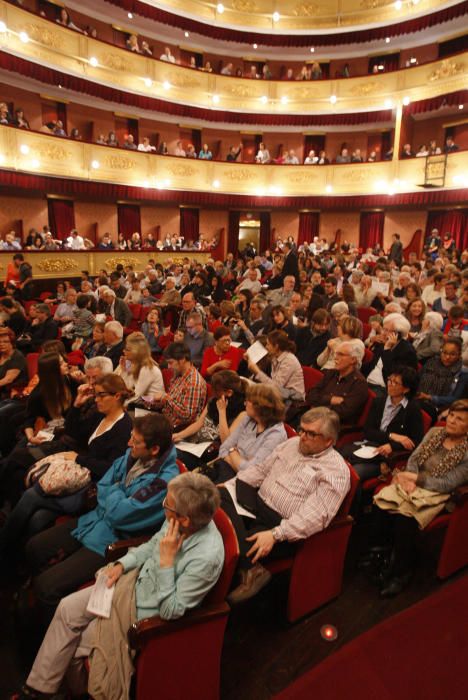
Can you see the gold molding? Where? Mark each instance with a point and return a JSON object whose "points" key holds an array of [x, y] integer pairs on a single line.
{"points": [[66, 158], [118, 68]]}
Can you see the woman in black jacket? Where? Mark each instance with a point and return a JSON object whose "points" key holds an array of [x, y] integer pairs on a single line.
{"points": [[101, 436], [394, 424]]}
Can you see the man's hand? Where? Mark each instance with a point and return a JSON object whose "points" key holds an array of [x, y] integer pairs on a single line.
{"points": [[425, 397], [85, 392], [404, 440], [263, 544], [113, 574], [336, 400], [170, 544], [392, 340]]}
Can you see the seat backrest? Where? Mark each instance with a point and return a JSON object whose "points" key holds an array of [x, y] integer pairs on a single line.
{"points": [[136, 311], [366, 409], [311, 377], [290, 432], [231, 555], [368, 356], [167, 377], [31, 361], [366, 329], [349, 498], [427, 421], [181, 466], [365, 312]]}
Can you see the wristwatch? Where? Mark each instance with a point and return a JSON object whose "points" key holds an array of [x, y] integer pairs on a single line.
{"points": [[276, 534], [231, 449]]}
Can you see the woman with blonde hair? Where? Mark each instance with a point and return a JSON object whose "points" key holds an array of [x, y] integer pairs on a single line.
{"points": [[255, 436], [349, 328], [138, 369], [286, 370]]}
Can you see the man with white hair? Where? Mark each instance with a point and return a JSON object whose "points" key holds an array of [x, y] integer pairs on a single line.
{"points": [[343, 389], [250, 282], [282, 297], [404, 279], [363, 292], [117, 308], [395, 351], [113, 339], [171, 297]]}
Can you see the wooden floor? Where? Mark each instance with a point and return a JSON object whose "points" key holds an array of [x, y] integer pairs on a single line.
{"points": [[262, 652]]}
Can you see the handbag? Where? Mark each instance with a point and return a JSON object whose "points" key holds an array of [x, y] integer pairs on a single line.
{"points": [[58, 476]]}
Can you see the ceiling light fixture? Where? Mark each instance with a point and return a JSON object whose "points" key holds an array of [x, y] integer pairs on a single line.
{"points": [[93, 61], [264, 99], [24, 37], [328, 189], [3, 27], [220, 8], [312, 50], [186, 35], [255, 46], [130, 16], [406, 101], [333, 99], [387, 40], [276, 16], [24, 149], [398, 5], [148, 82], [166, 85], [215, 99], [284, 100]]}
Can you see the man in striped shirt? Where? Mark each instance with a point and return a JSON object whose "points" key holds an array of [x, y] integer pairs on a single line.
{"points": [[293, 495]]}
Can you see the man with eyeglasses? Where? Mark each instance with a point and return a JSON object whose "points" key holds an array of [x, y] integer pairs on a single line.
{"points": [[291, 496], [130, 501]]}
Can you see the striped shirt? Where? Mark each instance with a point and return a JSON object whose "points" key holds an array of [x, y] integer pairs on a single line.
{"points": [[185, 399], [306, 490]]}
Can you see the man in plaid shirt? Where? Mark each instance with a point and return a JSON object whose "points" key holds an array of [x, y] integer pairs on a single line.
{"points": [[186, 398]]}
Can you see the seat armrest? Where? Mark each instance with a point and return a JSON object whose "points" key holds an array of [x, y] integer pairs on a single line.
{"points": [[118, 549], [460, 495], [149, 628]]}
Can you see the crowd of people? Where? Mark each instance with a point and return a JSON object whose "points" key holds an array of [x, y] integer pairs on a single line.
{"points": [[109, 381], [255, 70]]}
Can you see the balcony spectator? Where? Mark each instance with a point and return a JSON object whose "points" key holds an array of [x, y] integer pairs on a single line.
{"points": [[65, 20], [263, 155], [179, 150], [253, 73], [130, 143], [227, 69], [434, 150], [234, 153], [372, 158], [58, 129], [205, 153], [356, 156], [167, 56], [450, 145], [407, 152], [112, 139], [423, 151], [323, 159], [304, 74], [4, 114], [207, 68], [132, 44], [146, 49], [343, 156], [191, 153], [311, 159], [75, 134], [289, 74], [266, 72], [162, 149], [101, 140], [316, 71], [20, 120], [75, 241], [290, 158], [146, 146]]}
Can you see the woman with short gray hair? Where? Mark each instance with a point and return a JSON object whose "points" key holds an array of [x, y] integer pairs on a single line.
{"points": [[428, 342]]}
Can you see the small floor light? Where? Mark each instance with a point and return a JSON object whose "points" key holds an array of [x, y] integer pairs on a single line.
{"points": [[329, 633]]}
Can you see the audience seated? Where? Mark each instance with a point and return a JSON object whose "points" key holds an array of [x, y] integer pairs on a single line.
{"points": [[394, 423], [286, 371], [292, 495], [443, 378], [137, 368], [12, 363], [394, 350], [130, 500]]}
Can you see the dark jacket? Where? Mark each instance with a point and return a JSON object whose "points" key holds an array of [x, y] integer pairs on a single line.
{"points": [[115, 353], [309, 346], [408, 421], [44, 331], [291, 266], [396, 252], [122, 313], [402, 354], [353, 388]]}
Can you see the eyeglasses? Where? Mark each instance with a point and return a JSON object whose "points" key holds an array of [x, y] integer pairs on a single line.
{"points": [[394, 382], [309, 433], [450, 354], [166, 507]]}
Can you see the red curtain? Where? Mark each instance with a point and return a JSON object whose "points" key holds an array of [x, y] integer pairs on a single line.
{"points": [[233, 232], [454, 221], [452, 99], [265, 230], [327, 39], [128, 219], [371, 227], [13, 182], [61, 217], [308, 226], [190, 224], [69, 82], [415, 245]]}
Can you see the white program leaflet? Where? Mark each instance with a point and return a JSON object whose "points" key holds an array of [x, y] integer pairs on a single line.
{"points": [[231, 487], [100, 600], [195, 448], [256, 351], [366, 452]]}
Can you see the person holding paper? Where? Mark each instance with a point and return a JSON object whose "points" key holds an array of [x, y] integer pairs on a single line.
{"points": [[394, 423], [129, 498], [286, 371], [176, 569], [292, 494]]}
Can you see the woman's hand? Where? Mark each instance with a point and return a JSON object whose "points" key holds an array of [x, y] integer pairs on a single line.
{"points": [[85, 392], [405, 441], [170, 544], [392, 340], [176, 437], [221, 404], [385, 450], [69, 455], [113, 574], [36, 439], [224, 364]]}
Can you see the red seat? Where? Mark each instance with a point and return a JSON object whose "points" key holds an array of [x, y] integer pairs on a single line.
{"points": [[290, 432], [161, 644], [355, 433], [311, 377], [317, 564], [31, 361], [368, 356], [365, 312], [366, 329], [168, 376]]}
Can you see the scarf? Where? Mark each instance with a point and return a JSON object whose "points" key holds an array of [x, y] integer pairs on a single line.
{"points": [[451, 458]]}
